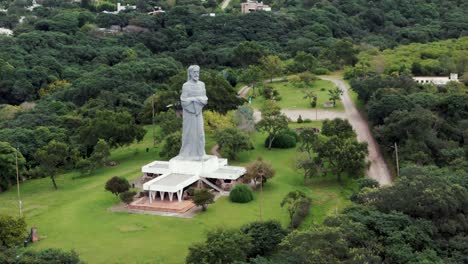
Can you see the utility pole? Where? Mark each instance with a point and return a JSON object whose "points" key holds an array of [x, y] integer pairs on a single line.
{"points": [[18, 183], [260, 196], [396, 159], [152, 119], [316, 116]]}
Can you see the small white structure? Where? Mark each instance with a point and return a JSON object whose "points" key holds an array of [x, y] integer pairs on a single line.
{"points": [[34, 5], [436, 80], [6, 31], [253, 6], [177, 174], [156, 10], [121, 7]]}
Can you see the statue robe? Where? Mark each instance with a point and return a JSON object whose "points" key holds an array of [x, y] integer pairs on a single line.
{"points": [[193, 100]]}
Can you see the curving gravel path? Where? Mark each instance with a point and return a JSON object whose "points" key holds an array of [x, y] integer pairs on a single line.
{"points": [[378, 169]]}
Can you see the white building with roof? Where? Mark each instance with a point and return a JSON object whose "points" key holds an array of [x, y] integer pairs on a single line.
{"points": [[173, 176], [436, 80], [254, 6]]}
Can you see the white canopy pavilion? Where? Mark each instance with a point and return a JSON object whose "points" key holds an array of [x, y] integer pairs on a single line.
{"points": [[176, 174]]}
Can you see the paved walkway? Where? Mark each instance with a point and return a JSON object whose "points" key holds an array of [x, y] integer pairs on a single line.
{"points": [[378, 169]]}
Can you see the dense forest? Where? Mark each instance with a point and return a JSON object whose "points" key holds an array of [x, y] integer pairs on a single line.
{"points": [[75, 82]]}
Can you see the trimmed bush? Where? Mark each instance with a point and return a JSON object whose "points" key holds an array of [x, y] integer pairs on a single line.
{"points": [[117, 185], [286, 139], [127, 197], [241, 194]]}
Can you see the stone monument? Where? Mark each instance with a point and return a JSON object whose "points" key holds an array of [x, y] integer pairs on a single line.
{"points": [[193, 99], [192, 156], [192, 164]]}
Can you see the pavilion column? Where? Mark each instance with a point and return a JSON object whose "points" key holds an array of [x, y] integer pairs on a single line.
{"points": [[179, 195], [162, 195], [171, 194], [150, 197]]}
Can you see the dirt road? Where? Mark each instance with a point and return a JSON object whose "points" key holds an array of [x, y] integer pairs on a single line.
{"points": [[378, 169]]}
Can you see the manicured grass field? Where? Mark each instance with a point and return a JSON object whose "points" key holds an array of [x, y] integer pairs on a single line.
{"points": [[293, 98], [76, 216]]}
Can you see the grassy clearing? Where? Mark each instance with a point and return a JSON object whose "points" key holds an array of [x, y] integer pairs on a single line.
{"points": [[293, 98], [76, 216]]}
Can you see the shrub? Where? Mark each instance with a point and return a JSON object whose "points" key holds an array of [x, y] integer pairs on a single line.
{"points": [[12, 231], [241, 194], [50, 255], [127, 197], [286, 139], [35, 173], [203, 197], [321, 71], [299, 119], [367, 183], [117, 185], [301, 213]]}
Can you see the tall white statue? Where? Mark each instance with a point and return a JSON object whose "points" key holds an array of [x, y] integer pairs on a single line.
{"points": [[193, 100]]}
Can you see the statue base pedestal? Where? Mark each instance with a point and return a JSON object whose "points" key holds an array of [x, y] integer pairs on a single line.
{"points": [[208, 164]]}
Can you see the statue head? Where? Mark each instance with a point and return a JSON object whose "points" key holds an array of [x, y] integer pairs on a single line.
{"points": [[193, 73]]}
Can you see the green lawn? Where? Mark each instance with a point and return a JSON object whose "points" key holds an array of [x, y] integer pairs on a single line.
{"points": [[76, 216], [293, 98]]}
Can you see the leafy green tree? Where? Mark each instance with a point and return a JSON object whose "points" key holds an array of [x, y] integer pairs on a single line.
{"points": [[8, 164], [343, 155], [172, 145], [335, 94], [221, 246], [248, 52], [259, 171], [231, 141], [272, 66], [169, 122], [117, 129], [338, 127], [309, 140], [273, 121], [12, 231], [297, 204], [215, 122], [302, 62], [252, 75], [55, 156], [265, 236], [312, 97], [101, 153], [324, 245], [117, 185], [203, 197]]}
